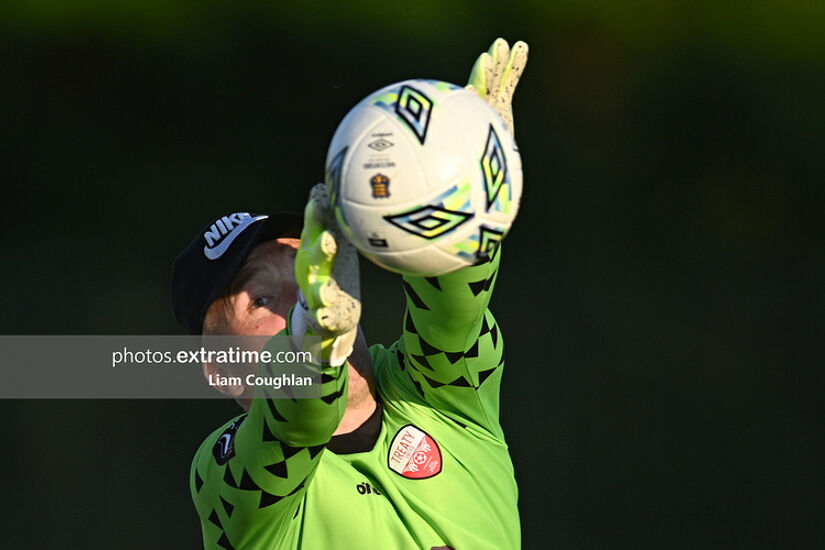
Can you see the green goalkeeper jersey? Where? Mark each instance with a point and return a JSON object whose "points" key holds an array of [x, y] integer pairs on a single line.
{"points": [[430, 469]]}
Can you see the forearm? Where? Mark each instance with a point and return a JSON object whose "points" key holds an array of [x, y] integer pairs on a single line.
{"points": [[448, 310], [453, 346], [309, 421]]}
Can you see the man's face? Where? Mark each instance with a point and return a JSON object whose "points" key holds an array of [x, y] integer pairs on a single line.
{"points": [[261, 294], [259, 300], [260, 297]]}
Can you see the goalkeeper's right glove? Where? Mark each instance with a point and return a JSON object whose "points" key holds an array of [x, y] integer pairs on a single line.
{"points": [[326, 269]]}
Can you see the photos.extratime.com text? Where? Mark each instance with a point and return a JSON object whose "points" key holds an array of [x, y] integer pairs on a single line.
{"points": [[230, 356]]}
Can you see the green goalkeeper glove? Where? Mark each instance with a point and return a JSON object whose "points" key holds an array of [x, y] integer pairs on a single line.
{"points": [[326, 269], [495, 76]]}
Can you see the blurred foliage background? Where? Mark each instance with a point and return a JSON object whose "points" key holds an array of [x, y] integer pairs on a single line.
{"points": [[661, 293]]}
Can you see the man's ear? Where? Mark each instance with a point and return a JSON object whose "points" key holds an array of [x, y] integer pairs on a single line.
{"points": [[289, 241], [218, 379]]}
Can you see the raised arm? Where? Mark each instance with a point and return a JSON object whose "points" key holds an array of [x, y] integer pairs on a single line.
{"points": [[452, 344], [451, 341], [248, 478]]}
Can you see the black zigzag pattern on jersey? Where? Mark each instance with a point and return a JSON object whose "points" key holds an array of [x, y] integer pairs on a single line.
{"points": [[421, 360], [458, 382], [434, 282], [413, 296], [427, 348], [328, 399], [493, 331], [454, 357], [485, 326], [473, 351], [278, 469], [484, 374], [246, 482], [213, 517], [268, 499], [478, 287], [409, 325], [228, 478], [290, 451], [223, 542], [430, 351], [227, 507], [268, 435], [313, 451], [198, 481], [274, 411], [400, 356]]}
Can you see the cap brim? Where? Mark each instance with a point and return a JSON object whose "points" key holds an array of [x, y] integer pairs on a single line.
{"points": [[277, 225]]}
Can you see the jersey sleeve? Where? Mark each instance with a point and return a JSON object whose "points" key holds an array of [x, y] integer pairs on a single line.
{"points": [[248, 479], [451, 346]]}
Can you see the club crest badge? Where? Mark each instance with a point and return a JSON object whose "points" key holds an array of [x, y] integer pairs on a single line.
{"points": [[380, 186], [414, 454]]}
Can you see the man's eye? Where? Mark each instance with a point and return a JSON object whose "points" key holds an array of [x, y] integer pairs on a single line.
{"points": [[260, 302]]}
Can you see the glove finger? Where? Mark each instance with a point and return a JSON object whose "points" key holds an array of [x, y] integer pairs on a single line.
{"points": [[345, 270], [319, 197], [499, 50], [340, 312], [513, 71], [329, 247], [321, 255], [341, 318], [499, 54], [312, 225], [479, 74], [519, 51]]}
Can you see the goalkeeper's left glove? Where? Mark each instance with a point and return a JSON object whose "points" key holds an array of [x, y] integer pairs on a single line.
{"points": [[326, 269], [495, 76]]}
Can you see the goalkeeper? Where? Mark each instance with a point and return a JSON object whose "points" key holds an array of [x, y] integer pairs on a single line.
{"points": [[404, 449]]}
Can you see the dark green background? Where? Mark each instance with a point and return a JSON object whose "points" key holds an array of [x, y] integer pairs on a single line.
{"points": [[661, 293]]}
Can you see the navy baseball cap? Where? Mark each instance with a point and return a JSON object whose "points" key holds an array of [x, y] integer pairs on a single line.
{"points": [[208, 264]]}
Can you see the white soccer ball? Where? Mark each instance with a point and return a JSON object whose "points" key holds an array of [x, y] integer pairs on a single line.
{"points": [[425, 177]]}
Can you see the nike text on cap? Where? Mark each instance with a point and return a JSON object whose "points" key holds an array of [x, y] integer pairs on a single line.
{"points": [[205, 268]]}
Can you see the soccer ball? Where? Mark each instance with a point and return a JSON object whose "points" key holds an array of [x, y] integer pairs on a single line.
{"points": [[424, 177]]}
